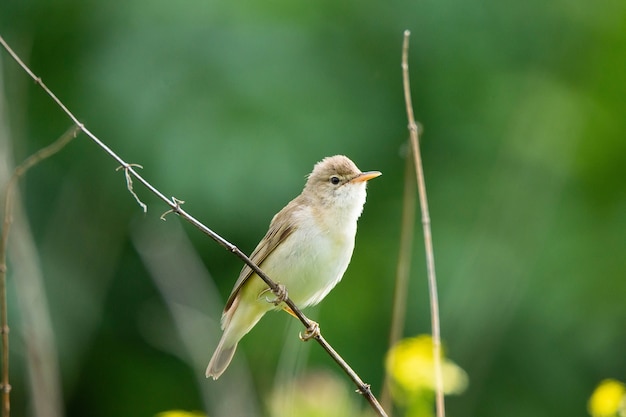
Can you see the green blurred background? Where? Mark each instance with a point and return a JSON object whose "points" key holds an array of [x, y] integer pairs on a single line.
{"points": [[228, 105]]}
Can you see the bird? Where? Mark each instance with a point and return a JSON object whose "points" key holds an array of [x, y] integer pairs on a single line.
{"points": [[306, 251]]}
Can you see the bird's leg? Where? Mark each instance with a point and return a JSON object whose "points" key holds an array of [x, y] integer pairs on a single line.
{"points": [[280, 292], [311, 333]]}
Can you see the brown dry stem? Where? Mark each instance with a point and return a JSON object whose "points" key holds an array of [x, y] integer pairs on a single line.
{"points": [[428, 240], [20, 171]]}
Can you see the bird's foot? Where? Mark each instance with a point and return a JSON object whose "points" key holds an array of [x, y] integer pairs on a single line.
{"points": [[311, 333], [280, 293]]}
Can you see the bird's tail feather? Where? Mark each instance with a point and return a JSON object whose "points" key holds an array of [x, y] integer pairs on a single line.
{"points": [[236, 322], [221, 358]]}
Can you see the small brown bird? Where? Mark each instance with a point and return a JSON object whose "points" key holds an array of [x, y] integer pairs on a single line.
{"points": [[307, 249]]}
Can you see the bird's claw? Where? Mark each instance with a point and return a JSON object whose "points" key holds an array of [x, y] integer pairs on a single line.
{"points": [[280, 293], [311, 333]]}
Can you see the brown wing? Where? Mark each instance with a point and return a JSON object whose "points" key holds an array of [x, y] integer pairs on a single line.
{"points": [[281, 227]]}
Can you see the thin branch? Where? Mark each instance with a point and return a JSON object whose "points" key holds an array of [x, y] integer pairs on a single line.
{"points": [[428, 240], [174, 204], [30, 162]]}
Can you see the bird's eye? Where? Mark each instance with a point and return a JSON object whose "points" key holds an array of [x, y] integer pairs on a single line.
{"points": [[334, 180]]}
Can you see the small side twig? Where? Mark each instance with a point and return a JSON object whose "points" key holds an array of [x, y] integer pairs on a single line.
{"points": [[177, 202], [428, 240], [129, 184], [362, 388], [19, 171]]}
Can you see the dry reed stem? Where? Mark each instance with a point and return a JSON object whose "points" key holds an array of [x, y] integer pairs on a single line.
{"points": [[19, 171], [175, 207], [428, 240]]}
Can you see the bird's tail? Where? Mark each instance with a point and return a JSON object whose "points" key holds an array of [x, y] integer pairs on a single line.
{"points": [[221, 358], [236, 322]]}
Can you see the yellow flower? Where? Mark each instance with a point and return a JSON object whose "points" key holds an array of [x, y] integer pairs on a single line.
{"points": [[608, 399], [181, 413], [411, 365]]}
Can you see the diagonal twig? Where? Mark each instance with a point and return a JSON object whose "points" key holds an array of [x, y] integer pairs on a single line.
{"points": [[428, 240], [174, 204]]}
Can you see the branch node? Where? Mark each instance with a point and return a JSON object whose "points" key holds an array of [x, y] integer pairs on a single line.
{"points": [[5, 388], [313, 332], [176, 203], [129, 182], [416, 127], [364, 389]]}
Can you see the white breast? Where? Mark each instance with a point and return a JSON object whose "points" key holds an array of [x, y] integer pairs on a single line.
{"points": [[315, 256]]}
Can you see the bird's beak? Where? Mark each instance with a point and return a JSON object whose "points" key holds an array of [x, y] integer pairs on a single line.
{"points": [[366, 176]]}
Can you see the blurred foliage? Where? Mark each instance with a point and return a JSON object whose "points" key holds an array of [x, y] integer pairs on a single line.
{"points": [[228, 105], [316, 394]]}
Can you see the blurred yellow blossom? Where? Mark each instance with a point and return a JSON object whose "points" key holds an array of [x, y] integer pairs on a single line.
{"points": [[181, 413], [411, 366], [608, 399]]}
